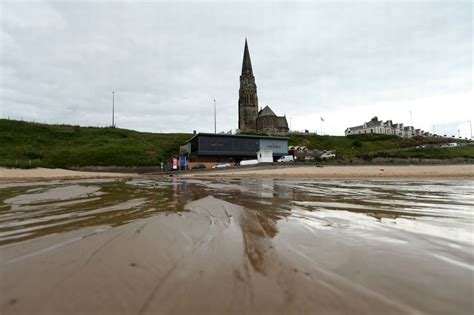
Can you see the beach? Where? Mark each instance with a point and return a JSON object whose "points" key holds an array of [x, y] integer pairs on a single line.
{"points": [[352, 172], [462, 171], [204, 245], [53, 173]]}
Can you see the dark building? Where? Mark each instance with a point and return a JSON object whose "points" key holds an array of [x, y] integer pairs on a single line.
{"points": [[211, 147], [250, 118]]}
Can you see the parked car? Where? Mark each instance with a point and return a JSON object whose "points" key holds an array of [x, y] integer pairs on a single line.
{"points": [[221, 165], [328, 155], [286, 158], [199, 167], [248, 162]]}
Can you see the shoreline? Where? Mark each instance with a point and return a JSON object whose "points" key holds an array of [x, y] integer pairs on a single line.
{"points": [[459, 172], [37, 174], [351, 172]]}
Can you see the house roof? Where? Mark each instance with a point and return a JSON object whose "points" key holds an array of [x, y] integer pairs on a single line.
{"points": [[373, 123], [355, 127]]}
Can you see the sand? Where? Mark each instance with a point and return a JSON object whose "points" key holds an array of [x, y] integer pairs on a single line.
{"points": [[56, 173], [366, 171], [221, 258], [349, 171], [172, 245]]}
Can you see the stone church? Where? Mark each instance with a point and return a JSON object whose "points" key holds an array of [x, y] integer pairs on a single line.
{"points": [[251, 119]]}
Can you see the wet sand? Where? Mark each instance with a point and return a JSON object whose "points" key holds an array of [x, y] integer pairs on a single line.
{"points": [[7, 174], [337, 172], [351, 172], [236, 246]]}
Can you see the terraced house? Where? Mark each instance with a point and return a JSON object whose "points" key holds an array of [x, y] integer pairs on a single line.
{"points": [[388, 128]]}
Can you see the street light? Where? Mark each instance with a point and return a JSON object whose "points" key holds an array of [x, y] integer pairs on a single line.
{"points": [[215, 122], [470, 127], [113, 108]]}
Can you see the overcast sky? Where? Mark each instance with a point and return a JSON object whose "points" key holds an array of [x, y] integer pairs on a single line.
{"points": [[343, 61]]}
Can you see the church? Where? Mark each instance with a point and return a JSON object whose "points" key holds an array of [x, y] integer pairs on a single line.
{"points": [[251, 119]]}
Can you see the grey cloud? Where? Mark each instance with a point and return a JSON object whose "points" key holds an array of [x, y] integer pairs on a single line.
{"points": [[168, 61]]}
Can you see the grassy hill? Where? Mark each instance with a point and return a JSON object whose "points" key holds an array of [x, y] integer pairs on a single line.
{"points": [[368, 146], [66, 146]]}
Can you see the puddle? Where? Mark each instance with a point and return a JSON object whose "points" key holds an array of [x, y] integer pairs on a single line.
{"points": [[207, 245]]}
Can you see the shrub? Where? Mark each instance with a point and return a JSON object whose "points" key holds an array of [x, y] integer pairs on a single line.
{"points": [[356, 143]]}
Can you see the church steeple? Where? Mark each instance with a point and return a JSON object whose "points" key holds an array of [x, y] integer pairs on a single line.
{"points": [[246, 63], [248, 100]]}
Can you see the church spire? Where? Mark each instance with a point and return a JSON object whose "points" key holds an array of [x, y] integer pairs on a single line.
{"points": [[248, 100], [246, 63]]}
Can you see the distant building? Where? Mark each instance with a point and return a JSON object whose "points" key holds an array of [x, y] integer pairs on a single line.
{"points": [[251, 119], [211, 147], [265, 156], [388, 128]]}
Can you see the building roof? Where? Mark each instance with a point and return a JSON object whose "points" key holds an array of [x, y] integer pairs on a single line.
{"points": [[374, 122], [355, 127], [246, 63], [237, 136], [266, 111], [282, 123]]}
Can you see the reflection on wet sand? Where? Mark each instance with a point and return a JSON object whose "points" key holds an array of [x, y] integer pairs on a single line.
{"points": [[200, 246]]}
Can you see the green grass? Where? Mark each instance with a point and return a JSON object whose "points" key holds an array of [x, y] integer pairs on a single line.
{"points": [[65, 146], [466, 151], [346, 146], [42, 145], [368, 146]]}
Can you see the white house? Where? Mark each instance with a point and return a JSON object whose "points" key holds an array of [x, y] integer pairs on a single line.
{"points": [[388, 128]]}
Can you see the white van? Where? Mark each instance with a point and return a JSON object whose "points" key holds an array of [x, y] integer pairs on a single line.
{"points": [[286, 158]]}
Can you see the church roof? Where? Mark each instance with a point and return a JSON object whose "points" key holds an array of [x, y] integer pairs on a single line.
{"points": [[246, 63], [267, 111], [281, 122]]}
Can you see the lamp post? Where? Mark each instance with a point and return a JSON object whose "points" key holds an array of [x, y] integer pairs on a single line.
{"points": [[215, 121], [470, 127], [113, 109]]}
